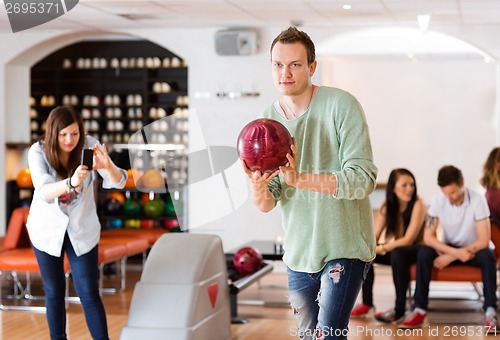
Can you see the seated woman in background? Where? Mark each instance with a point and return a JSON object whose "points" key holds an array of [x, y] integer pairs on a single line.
{"points": [[402, 217], [491, 181]]}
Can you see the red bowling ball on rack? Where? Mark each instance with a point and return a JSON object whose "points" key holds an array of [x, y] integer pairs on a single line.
{"points": [[263, 144], [247, 260]]}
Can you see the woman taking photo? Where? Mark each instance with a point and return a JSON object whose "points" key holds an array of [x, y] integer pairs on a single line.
{"points": [[63, 217], [401, 219]]}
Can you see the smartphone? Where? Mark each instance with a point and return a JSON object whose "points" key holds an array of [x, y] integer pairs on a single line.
{"points": [[88, 158]]}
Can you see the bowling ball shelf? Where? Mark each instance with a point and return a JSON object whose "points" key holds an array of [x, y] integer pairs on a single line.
{"points": [[234, 275], [119, 86], [238, 282], [139, 210]]}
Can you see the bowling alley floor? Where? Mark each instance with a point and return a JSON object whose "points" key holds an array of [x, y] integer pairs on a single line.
{"points": [[265, 307]]}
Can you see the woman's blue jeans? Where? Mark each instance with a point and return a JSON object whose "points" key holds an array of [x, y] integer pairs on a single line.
{"points": [[85, 273], [322, 302]]}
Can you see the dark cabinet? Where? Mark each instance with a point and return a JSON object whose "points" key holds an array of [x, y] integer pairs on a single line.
{"points": [[133, 96], [116, 93]]}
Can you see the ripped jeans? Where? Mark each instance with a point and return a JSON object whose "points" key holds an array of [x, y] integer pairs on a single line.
{"points": [[322, 301]]}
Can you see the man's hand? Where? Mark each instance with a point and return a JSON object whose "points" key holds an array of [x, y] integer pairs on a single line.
{"points": [[258, 180], [289, 170], [464, 254], [443, 261], [261, 195]]}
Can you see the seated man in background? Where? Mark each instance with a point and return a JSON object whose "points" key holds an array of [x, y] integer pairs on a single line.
{"points": [[464, 217]]}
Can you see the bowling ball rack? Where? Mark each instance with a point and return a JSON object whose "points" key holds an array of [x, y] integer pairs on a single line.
{"points": [[238, 282]]}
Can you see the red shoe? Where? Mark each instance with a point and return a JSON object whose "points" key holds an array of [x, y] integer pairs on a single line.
{"points": [[491, 325], [416, 320], [362, 311]]}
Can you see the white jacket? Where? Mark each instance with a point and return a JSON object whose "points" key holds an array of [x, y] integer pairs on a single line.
{"points": [[48, 221]]}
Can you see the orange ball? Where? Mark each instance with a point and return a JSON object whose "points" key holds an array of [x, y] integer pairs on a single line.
{"points": [[133, 177], [152, 179], [23, 179], [120, 197]]}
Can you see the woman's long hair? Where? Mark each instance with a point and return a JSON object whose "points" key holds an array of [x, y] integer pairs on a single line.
{"points": [[392, 203], [491, 170], [60, 118]]}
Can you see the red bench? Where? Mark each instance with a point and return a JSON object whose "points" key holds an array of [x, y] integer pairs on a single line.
{"points": [[463, 273], [16, 255]]}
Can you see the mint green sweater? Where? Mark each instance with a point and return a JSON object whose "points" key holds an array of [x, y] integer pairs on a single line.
{"points": [[331, 137]]}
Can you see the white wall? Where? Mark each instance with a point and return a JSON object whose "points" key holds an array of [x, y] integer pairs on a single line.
{"points": [[14, 93], [423, 115], [221, 120]]}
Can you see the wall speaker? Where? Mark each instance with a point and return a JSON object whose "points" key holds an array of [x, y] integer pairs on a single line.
{"points": [[235, 42]]}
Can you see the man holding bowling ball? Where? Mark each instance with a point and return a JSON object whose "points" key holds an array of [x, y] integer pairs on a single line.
{"points": [[323, 190]]}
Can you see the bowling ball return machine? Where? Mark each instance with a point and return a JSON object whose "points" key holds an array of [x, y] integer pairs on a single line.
{"points": [[187, 291], [183, 291]]}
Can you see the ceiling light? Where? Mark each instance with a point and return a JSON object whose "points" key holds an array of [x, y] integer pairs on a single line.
{"points": [[423, 22], [346, 6]]}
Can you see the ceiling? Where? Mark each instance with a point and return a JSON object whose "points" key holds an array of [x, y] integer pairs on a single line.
{"points": [[120, 14]]}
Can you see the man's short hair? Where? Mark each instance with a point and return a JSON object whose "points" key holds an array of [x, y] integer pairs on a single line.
{"points": [[449, 174], [293, 35]]}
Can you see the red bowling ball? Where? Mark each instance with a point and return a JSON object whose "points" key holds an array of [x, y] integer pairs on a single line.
{"points": [[247, 260], [263, 145]]}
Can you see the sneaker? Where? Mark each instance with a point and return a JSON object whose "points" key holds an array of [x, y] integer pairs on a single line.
{"points": [[416, 320], [491, 324], [389, 317], [362, 311]]}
